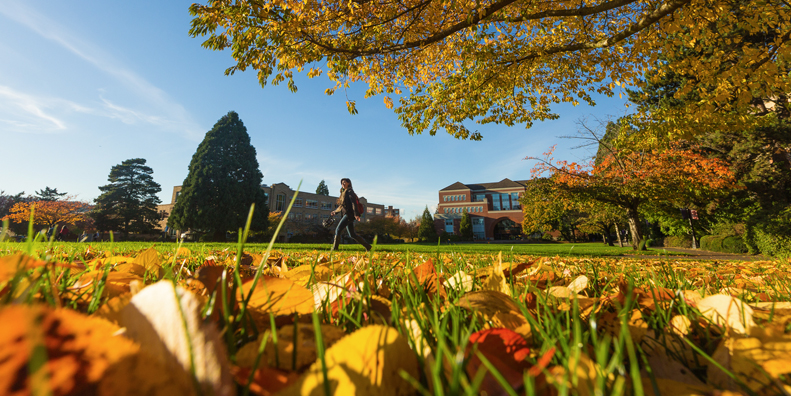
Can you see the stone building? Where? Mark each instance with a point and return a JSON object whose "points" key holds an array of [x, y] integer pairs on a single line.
{"points": [[308, 211]]}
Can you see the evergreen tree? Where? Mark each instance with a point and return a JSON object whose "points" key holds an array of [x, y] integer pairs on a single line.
{"points": [[465, 228], [223, 181], [322, 189], [49, 194], [129, 203], [427, 232]]}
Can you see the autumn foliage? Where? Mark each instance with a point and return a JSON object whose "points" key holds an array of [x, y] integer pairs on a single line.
{"points": [[507, 61], [49, 213], [632, 180]]}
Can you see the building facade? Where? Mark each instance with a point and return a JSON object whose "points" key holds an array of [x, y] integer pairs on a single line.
{"points": [[494, 208], [308, 211]]}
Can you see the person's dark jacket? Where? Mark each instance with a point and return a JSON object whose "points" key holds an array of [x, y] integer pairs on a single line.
{"points": [[347, 203]]}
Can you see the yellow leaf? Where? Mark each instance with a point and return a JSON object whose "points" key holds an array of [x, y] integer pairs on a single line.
{"points": [[148, 259], [282, 356], [727, 311], [366, 362], [277, 296]]}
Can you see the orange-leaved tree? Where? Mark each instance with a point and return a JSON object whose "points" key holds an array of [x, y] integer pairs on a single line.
{"points": [[632, 179], [50, 213]]}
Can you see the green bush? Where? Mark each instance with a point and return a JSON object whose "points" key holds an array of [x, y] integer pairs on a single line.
{"points": [[684, 241], [723, 244], [774, 245]]}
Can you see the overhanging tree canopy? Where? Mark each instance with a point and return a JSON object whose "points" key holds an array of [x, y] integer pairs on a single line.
{"points": [[505, 61]]}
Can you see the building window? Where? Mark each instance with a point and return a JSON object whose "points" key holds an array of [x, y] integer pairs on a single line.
{"points": [[298, 202], [311, 204], [326, 205], [177, 196], [266, 198], [515, 204], [378, 211], [445, 198], [495, 201], [449, 226], [281, 202], [464, 197], [369, 209], [506, 202], [480, 197], [478, 230]]}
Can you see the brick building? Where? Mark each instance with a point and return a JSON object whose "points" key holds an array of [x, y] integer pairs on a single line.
{"points": [[309, 209], [493, 207]]}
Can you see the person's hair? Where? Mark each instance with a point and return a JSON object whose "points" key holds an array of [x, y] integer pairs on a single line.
{"points": [[347, 181]]}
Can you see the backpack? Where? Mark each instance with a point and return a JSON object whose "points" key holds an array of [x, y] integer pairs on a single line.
{"points": [[360, 208]]}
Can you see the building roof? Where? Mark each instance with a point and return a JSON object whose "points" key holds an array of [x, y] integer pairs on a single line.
{"points": [[505, 183], [455, 186]]}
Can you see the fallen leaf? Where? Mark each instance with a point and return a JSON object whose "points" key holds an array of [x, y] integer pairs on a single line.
{"points": [[165, 320], [282, 356], [498, 308], [727, 311], [366, 362], [277, 296]]}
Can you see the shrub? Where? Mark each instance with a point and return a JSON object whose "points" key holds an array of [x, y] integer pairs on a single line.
{"points": [[684, 241], [724, 244], [774, 245]]}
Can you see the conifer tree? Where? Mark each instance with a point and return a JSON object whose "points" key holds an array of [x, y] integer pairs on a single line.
{"points": [[322, 189], [427, 232], [129, 202], [466, 226], [223, 181], [49, 194]]}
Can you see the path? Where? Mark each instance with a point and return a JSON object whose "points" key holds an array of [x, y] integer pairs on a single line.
{"points": [[693, 254]]}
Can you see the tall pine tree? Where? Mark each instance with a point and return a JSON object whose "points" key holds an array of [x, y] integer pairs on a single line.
{"points": [[223, 181], [322, 189], [129, 203], [427, 232]]}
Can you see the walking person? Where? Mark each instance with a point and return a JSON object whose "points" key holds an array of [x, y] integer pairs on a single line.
{"points": [[348, 206]]}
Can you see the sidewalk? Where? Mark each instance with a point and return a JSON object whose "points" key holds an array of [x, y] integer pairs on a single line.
{"points": [[693, 254]]}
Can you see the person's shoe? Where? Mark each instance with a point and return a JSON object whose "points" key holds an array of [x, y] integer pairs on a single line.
{"points": [[335, 242]]}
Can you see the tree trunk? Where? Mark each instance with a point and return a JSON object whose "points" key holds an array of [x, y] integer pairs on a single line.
{"points": [[618, 234], [634, 227]]}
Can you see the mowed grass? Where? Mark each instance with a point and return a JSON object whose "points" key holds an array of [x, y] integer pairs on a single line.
{"points": [[590, 249]]}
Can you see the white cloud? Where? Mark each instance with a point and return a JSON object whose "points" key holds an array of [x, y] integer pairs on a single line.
{"points": [[27, 113], [166, 114]]}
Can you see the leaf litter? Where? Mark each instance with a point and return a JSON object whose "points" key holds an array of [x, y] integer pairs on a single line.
{"points": [[162, 321]]}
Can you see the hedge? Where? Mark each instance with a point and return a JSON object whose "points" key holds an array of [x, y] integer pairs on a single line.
{"points": [[724, 244]]}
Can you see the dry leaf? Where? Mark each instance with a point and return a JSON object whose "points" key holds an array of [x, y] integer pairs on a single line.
{"points": [[165, 321], [281, 357], [460, 281], [506, 351], [366, 362], [727, 311], [758, 361], [277, 296], [77, 355], [498, 308]]}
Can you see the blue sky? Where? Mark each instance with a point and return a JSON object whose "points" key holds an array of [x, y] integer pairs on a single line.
{"points": [[85, 85]]}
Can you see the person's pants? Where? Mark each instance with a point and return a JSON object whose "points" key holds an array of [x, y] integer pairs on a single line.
{"points": [[347, 222]]}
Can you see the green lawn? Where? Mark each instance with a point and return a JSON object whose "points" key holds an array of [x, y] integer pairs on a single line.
{"points": [[551, 250]]}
